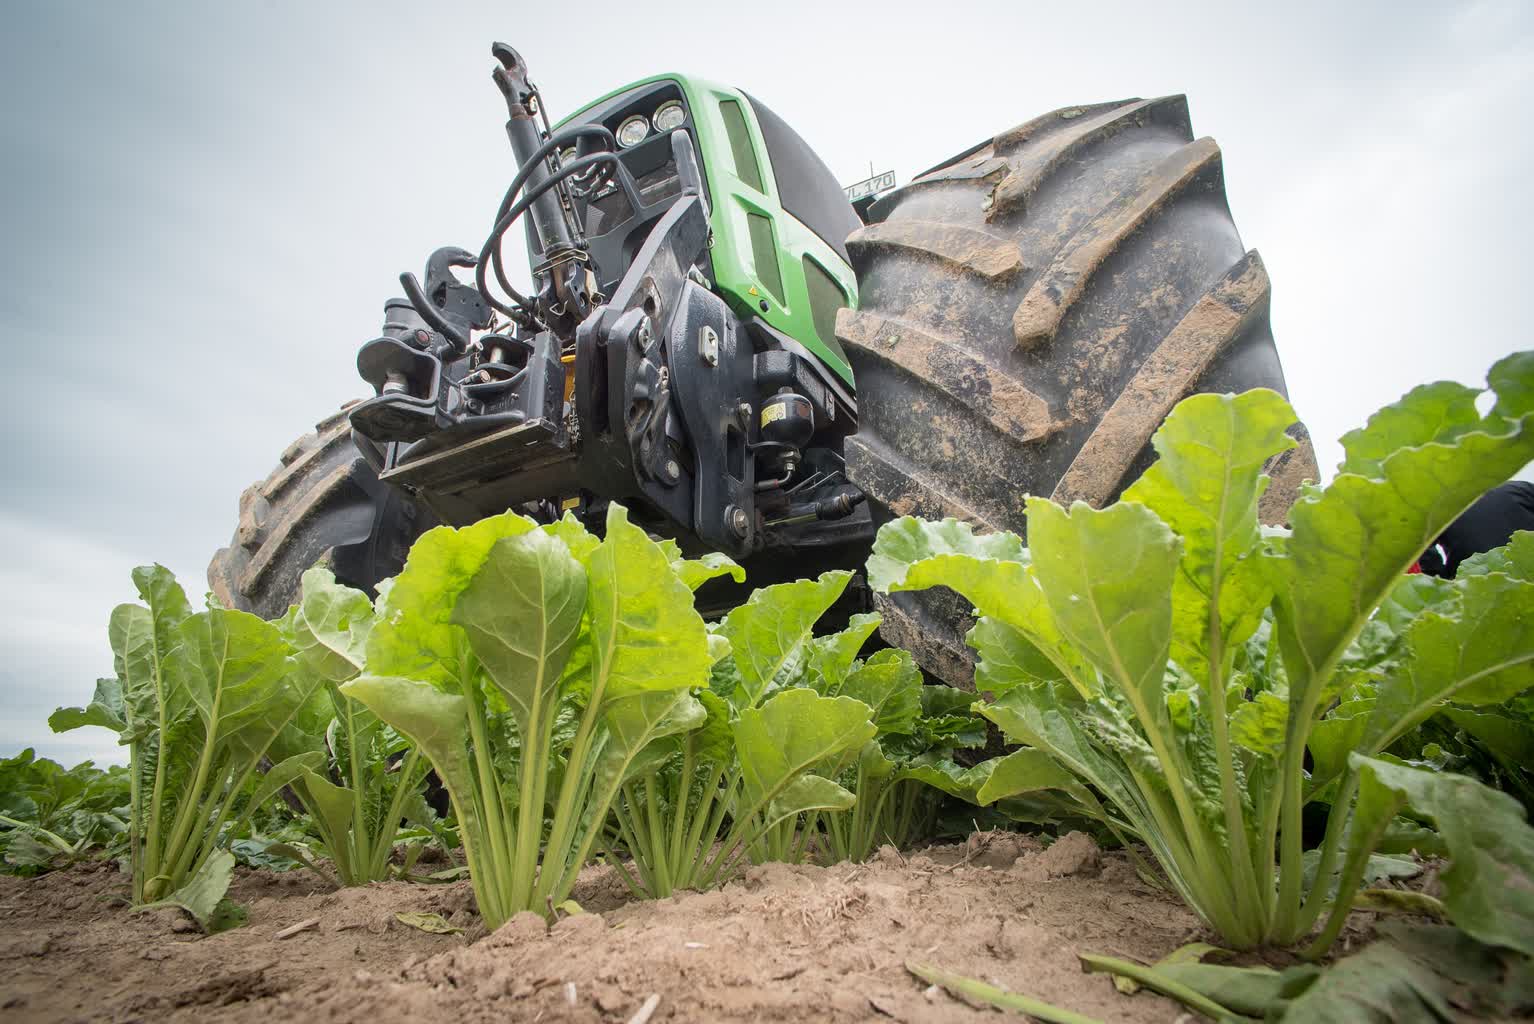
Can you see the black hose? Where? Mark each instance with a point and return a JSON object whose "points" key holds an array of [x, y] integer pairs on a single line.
{"points": [[491, 251], [492, 248], [430, 313]]}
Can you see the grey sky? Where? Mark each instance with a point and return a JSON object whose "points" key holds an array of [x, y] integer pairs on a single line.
{"points": [[205, 205]]}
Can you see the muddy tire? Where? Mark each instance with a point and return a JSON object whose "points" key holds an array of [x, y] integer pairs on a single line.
{"points": [[1030, 312], [322, 504]]}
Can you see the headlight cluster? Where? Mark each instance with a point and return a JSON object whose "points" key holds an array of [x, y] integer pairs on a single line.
{"points": [[636, 128]]}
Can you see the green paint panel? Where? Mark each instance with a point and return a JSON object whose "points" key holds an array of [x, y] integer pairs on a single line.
{"points": [[741, 190]]}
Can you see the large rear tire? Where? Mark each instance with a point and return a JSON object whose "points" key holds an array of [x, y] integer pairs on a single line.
{"points": [[322, 505], [1030, 312]]}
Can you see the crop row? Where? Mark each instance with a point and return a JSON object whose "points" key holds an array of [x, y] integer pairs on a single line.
{"points": [[1163, 667]]}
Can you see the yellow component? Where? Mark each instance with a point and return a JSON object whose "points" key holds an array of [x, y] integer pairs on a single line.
{"points": [[569, 362], [569, 503], [774, 412], [752, 291]]}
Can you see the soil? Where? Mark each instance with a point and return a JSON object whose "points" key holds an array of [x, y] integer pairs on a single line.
{"points": [[782, 943]]}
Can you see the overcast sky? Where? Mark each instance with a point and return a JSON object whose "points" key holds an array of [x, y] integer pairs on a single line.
{"points": [[203, 207]]}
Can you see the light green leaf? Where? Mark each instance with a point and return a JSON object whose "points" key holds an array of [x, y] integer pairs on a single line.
{"points": [[1484, 654], [808, 793], [890, 683], [695, 572], [1205, 486], [414, 636], [1259, 724], [201, 894], [1351, 541], [831, 657], [769, 632], [333, 806], [330, 631], [1515, 558], [521, 613], [791, 733], [436, 722], [1107, 576], [1028, 771], [645, 632]]}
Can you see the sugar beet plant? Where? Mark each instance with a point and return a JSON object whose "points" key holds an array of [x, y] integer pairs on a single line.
{"points": [[359, 777], [199, 699], [803, 742], [540, 669], [1167, 662], [700, 803]]}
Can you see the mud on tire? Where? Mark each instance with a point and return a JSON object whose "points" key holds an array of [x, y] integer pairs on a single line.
{"points": [[322, 504], [1030, 312]]}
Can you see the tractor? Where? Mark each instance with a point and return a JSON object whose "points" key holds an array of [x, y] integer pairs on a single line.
{"points": [[716, 337]]}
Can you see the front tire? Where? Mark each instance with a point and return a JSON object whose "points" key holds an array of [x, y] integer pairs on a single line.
{"points": [[1030, 312], [322, 504]]}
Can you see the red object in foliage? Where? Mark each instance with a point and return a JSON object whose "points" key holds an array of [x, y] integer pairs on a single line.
{"points": [[1415, 567]]}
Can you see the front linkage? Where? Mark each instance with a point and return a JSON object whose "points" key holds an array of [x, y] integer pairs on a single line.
{"points": [[727, 432]]}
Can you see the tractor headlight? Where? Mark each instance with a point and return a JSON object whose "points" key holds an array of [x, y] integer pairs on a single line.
{"points": [[633, 131], [668, 116]]}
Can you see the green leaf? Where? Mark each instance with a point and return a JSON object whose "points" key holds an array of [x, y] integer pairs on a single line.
{"points": [[436, 722], [694, 572], [521, 613], [414, 636], [283, 773], [952, 778], [141, 638], [769, 632], [645, 632], [1107, 576], [105, 710], [890, 684], [1515, 558], [1027, 771], [332, 806], [203, 892], [1382, 983], [1483, 654], [1437, 412], [1205, 486], [831, 657], [1351, 541], [1251, 991], [1510, 739], [1488, 887], [234, 669], [330, 631], [791, 733]]}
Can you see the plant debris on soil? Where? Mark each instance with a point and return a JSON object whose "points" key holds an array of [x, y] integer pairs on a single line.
{"points": [[783, 942]]}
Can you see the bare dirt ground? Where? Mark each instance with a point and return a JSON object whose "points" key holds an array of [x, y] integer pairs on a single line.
{"points": [[782, 943]]}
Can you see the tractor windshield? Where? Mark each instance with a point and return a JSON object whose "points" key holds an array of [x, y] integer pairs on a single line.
{"points": [[806, 187]]}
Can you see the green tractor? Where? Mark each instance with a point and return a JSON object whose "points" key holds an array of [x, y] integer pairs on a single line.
{"points": [[717, 338]]}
